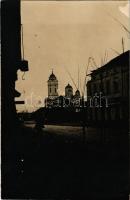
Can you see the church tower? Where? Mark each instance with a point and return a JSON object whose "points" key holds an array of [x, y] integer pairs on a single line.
{"points": [[52, 86], [68, 91]]}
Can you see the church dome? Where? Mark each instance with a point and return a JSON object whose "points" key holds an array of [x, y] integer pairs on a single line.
{"points": [[68, 86], [77, 93], [52, 77]]}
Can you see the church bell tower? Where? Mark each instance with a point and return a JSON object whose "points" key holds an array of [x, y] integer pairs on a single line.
{"points": [[52, 86]]}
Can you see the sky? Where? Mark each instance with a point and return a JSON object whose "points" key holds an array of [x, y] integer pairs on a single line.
{"points": [[62, 36]]}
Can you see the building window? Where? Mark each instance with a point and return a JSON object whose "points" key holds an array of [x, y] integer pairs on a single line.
{"points": [[115, 87], [108, 87], [50, 90], [55, 90], [94, 88]]}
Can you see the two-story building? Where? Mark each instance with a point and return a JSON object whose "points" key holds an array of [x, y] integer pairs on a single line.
{"points": [[108, 91]]}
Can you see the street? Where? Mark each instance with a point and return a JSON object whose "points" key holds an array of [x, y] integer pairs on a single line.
{"points": [[91, 134], [55, 162]]}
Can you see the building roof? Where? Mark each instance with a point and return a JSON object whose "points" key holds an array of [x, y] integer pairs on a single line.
{"points": [[122, 59], [52, 77], [68, 86], [77, 93]]}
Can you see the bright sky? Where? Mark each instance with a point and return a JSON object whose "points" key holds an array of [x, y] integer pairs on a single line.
{"points": [[63, 35]]}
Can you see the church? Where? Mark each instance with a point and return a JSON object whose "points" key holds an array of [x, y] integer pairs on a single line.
{"points": [[52, 86], [56, 100]]}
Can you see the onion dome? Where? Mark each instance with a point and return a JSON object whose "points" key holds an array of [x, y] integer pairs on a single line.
{"points": [[68, 86], [52, 77]]}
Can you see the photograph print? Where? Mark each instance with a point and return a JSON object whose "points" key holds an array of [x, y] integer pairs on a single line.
{"points": [[65, 99]]}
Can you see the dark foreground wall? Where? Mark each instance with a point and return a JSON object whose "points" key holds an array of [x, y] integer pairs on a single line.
{"points": [[11, 56]]}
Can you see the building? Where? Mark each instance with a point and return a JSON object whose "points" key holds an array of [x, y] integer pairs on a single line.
{"points": [[54, 100], [77, 101], [11, 62], [68, 91], [77, 94], [107, 91], [52, 86]]}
